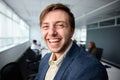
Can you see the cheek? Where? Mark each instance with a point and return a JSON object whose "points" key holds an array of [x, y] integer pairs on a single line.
{"points": [[43, 35], [69, 33]]}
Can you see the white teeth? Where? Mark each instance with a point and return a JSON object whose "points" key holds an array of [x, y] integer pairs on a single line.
{"points": [[54, 40]]}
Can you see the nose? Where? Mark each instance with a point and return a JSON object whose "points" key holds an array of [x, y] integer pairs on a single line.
{"points": [[52, 31]]}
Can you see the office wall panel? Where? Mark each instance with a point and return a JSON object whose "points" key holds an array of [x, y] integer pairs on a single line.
{"points": [[107, 38], [12, 54]]}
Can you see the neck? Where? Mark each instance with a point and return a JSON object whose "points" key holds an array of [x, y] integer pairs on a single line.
{"points": [[57, 55]]}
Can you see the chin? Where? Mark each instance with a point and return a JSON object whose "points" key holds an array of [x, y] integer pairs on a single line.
{"points": [[54, 50]]}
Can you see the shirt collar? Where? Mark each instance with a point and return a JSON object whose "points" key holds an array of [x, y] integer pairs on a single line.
{"points": [[59, 61]]}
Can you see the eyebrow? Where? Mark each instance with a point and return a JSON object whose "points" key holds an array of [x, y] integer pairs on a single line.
{"points": [[55, 22], [44, 23], [60, 22]]}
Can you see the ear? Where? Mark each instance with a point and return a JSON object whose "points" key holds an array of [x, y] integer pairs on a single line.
{"points": [[72, 32]]}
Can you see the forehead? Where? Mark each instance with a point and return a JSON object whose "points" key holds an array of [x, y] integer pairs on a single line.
{"points": [[56, 15]]}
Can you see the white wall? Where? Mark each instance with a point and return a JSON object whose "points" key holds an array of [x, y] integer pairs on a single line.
{"points": [[35, 33]]}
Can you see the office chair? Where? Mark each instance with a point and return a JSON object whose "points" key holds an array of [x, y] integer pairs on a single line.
{"points": [[31, 63], [99, 53], [32, 55], [11, 71]]}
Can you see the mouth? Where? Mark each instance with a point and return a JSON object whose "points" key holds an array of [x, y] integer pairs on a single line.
{"points": [[54, 40]]}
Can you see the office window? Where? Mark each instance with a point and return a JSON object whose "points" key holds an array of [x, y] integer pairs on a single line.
{"points": [[13, 30], [9, 13], [108, 23], [93, 25], [118, 21], [2, 7]]}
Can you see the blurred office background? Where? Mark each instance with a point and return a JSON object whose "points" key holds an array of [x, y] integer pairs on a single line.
{"points": [[96, 20]]}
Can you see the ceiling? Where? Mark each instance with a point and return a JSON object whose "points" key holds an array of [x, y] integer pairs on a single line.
{"points": [[85, 11]]}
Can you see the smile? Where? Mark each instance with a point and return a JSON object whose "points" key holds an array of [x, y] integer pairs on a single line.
{"points": [[54, 40]]}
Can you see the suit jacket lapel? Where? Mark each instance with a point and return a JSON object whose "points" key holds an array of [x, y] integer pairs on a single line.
{"points": [[66, 62], [45, 66], [44, 72]]}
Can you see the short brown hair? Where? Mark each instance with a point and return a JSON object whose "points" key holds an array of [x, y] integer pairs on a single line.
{"points": [[92, 43], [58, 6]]}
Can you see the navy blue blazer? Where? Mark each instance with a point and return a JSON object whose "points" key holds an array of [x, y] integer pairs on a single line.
{"points": [[77, 65]]}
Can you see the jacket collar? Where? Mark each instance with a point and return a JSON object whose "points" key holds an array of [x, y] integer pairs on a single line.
{"points": [[71, 55]]}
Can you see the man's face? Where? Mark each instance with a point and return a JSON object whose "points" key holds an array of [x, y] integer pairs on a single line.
{"points": [[56, 31]]}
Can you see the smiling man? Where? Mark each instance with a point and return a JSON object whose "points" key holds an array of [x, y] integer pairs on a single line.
{"points": [[66, 61], [57, 32]]}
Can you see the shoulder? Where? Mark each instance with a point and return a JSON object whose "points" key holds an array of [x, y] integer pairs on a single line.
{"points": [[94, 49], [45, 58], [88, 66], [84, 60], [87, 60]]}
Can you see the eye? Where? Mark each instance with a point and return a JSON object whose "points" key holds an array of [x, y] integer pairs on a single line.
{"points": [[45, 27], [59, 25]]}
